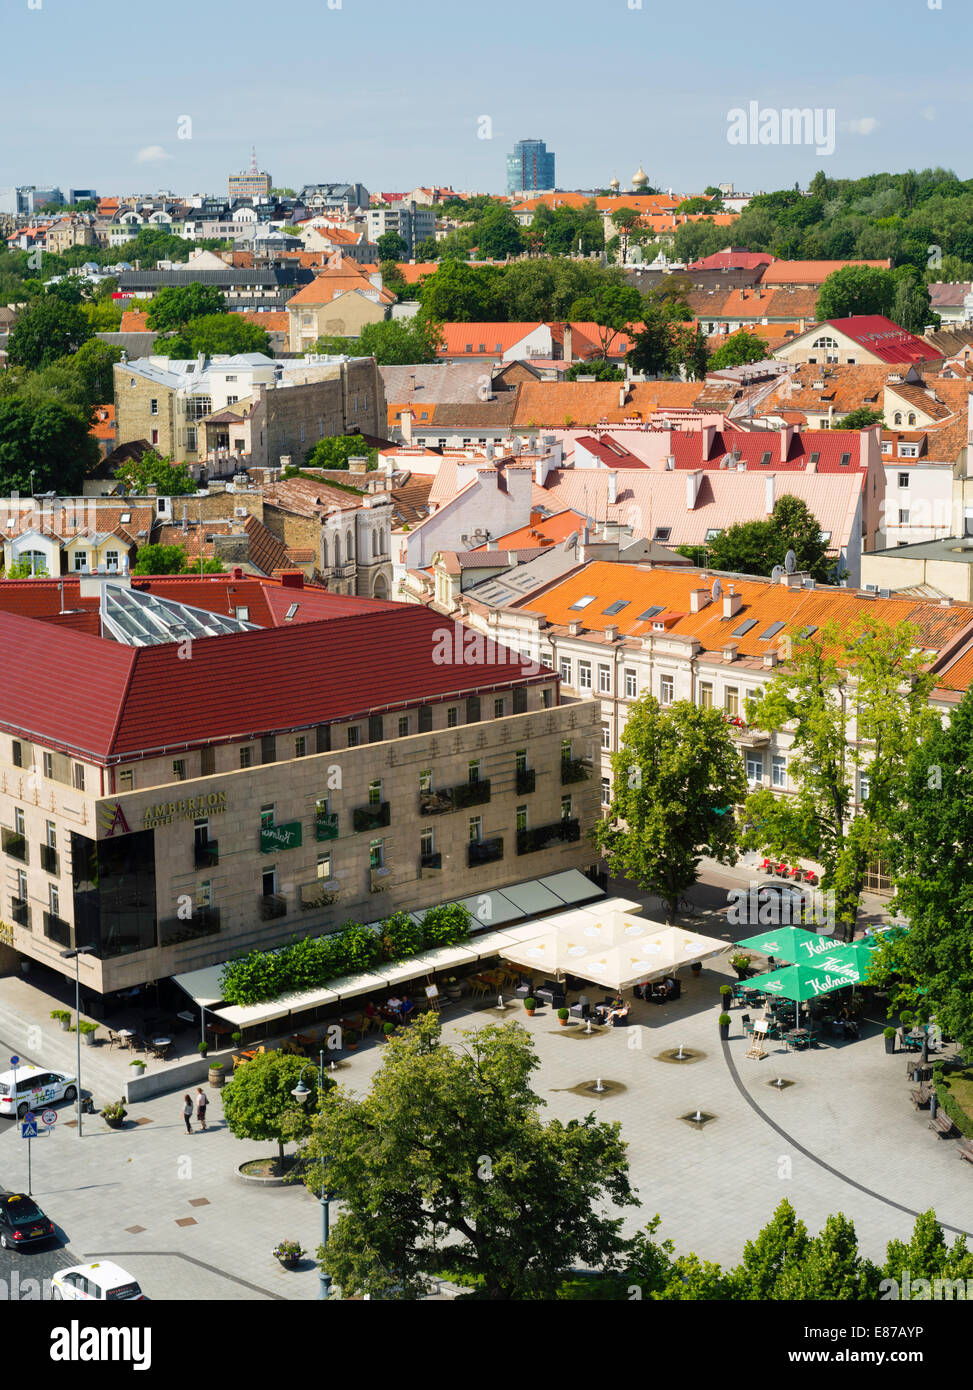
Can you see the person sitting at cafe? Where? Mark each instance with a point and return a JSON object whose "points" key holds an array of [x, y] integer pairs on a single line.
{"points": [[670, 987], [394, 1005], [407, 1007], [619, 1009], [370, 1010]]}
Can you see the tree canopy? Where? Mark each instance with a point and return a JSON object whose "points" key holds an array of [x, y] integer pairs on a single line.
{"points": [[170, 479], [738, 349], [46, 439], [612, 307], [172, 559], [257, 1101], [49, 328], [755, 547], [215, 333], [174, 306], [335, 451]]}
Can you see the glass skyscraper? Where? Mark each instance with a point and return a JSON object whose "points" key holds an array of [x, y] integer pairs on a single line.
{"points": [[530, 166]]}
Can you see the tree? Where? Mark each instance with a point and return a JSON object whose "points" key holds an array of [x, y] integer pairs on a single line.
{"points": [[47, 329], [337, 450], [877, 675], [400, 342], [24, 569], [498, 234], [94, 362], [257, 1101], [929, 850], [459, 293], [47, 440], [391, 247], [911, 306], [612, 307], [690, 349], [856, 289], [393, 279], [601, 371], [677, 776], [445, 1165], [171, 559], [738, 349], [861, 419], [170, 479], [173, 306], [104, 315], [755, 547], [213, 333]]}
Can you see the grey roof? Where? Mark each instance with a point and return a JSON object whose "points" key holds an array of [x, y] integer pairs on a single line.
{"points": [[135, 344], [553, 562], [949, 294], [140, 619], [958, 549], [152, 279], [455, 382]]}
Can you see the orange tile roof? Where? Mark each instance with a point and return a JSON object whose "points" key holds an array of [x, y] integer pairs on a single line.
{"points": [[330, 283], [134, 321], [414, 271], [810, 272], [541, 531], [550, 404], [423, 412], [271, 321], [104, 426]]}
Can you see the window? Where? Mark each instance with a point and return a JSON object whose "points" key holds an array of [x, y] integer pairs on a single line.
{"points": [[427, 842], [565, 750], [615, 607], [191, 438], [606, 736], [864, 786], [179, 770], [425, 780], [153, 406], [606, 792], [79, 777], [706, 694], [547, 697], [54, 898], [582, 603], [375, 793], [18, 753], [473, 771], [712, 532], [769, 632], [521, 817], [155, 437], [243, 613], [912, 417], [897, 418], [631, 684], [204, 893], [376, 854], [909, 451], [778, 772], [498, 709], [665, 690], [662, 533], [604, 680], [584, 675], [125, 779], [403, 725], [354, 736], [731, 700], [566, 670], [744, 627], [324, 866], [755, 768], [452, 717], [476, 829], [903, 480], [268, 815], [20, 825], [80, 560], [904, 514], [111, 556], [765, 458], [48, 765], [246, 755], [300, 746], [844, 461]]}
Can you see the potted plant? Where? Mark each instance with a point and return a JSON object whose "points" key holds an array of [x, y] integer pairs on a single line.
{"points": [[530, 1005], [696, 966], [216, 1074], [741, 964], [388, 1029], [63, 1018], [562, 1016], [724, 1022], [87, 1029], [114, 1113], [351, 1039], [726, 994], [889, 1035], [236, 1039], [202, 1048], [139, 1064], [289, 1253]]}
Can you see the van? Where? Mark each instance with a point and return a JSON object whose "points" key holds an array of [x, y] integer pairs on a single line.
{"points": [[35, 1087]]}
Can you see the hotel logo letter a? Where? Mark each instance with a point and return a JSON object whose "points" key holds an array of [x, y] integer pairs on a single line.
{"points": [[115, 820]]}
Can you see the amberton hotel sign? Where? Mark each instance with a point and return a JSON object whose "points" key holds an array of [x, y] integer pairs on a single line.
{"points": [[114, 820]]}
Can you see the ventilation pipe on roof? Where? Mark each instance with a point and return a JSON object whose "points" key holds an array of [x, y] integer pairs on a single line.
{"points": [[612, 487], [698, 600], [786, 435], [732, 603], [769, 493]]}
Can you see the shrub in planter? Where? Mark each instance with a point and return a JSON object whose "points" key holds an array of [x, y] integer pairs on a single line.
{"points": [[724, 1022], [114, 1113], [202, 1048], [139, 1065], [87, 1029], [741, 964], [236, 1039], [289, 1252], [350, 1039], [726, 991], [63, 1017], [530, 1005], [696, 966], [563, 1016], [889, 1035], [216, 1074], [388, 1029]]}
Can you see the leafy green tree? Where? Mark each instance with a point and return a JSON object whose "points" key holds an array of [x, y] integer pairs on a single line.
{"points": [[676, 778], [691, 350], [926, 1256], [174, 306], [94, 362], [831, 1267], [170, 479], [67, 291], [391, 247], [782, 1242], [879, 676], [498, 234], [856, 289], [23, 569], [612, 307], [172, 559], [911, 306], [861, 419], [601, 371], [104, 315], [337, 450], [459, 293], [46, 439], [399, 342], [625, 219], [755, 547], [48, 329], [257, 1101], [214, 333], [445, 1164], [393, 279], [738, 349]]}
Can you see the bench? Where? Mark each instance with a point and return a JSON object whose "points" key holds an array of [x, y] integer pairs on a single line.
{"points": [[920, 1096], [942, 1124], [965, 1150]]}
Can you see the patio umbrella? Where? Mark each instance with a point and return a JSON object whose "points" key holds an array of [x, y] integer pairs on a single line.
{"points": [[789, 943], [646, 959], [801, 982], [859, 953]]}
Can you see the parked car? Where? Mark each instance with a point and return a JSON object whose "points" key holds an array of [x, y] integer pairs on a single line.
{"points": [[36, 1087], [102, 1281], [22, 1222]]}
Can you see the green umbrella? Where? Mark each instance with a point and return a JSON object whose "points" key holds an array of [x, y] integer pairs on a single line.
{"points": [[859, 953], [789, 943], [800, 982]]}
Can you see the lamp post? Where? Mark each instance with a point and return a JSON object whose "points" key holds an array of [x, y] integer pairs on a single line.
{"points": [[300, 1094], [75, 954]]}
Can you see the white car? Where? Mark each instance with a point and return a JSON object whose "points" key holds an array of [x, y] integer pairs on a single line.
{"points": [[36, 1087], [99, 1282]]}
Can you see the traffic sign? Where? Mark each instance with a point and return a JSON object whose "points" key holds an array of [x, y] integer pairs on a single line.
{"points": [[49, 1117], [30, 1117], [28, 1130], [15, 1061]]}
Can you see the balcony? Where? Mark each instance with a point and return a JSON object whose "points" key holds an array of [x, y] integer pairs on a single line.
{"points": [[526, 780], [272, 905], [543, 836], [436, 803], [472, 793], [372, 816], [379, 879], [484, 851], [745, 736], [573, 770], [321, 892], [49, 859], [205, 921], [13, 844], [326, 825], [429, 863], [206, 854], [20, 912], [57, 930]]}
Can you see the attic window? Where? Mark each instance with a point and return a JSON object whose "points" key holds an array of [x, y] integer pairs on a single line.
{"points": [[807, 632], [126, 517], [662, 533], [585, 600], [649, 613], [469, 347], [825, 537], [816, 456], [744, 627], [291, 611], [765, 458], [769, 632], [616, 607], [844, 460], [712, 532]]}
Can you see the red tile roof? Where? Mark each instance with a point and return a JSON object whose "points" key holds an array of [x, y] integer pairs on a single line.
{"points": [[736, 260], [829, 445], [887, 340], [811, 272]]}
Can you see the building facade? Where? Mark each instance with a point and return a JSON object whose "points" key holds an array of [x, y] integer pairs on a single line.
{"points": [[530, 168]]}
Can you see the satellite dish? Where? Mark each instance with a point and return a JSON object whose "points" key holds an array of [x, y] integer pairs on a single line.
{"points": [[716, 590], [790, 562], [777, 573]]}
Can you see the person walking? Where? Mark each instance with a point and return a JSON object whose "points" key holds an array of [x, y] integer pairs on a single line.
{"points": [[187, 1113], [201, 1104]]}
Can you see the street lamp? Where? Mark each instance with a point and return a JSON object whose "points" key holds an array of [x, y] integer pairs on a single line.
{"points": [[68, 955], [300, 1094]]}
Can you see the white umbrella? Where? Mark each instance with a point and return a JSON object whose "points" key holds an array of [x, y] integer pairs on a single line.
{"points": [[655, 955]]}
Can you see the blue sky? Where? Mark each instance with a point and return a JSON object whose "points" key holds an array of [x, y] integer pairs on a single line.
{"points": [[391, 94]]}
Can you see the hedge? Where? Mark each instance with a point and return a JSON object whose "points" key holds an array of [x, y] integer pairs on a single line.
{"points": [[311, 963], [949, 1103]]}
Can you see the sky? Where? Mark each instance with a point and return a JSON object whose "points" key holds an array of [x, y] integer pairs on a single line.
{"points": [[397, 93]]}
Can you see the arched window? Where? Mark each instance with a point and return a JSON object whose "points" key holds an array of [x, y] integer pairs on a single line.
{"points": [[349, 548], [324, 552], [375, 546], [337, 552], [830, 346], [912, 417], [897, 418], [36, 559]]}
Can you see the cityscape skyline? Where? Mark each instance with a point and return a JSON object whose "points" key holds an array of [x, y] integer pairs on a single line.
{"points": [[388, 134]]}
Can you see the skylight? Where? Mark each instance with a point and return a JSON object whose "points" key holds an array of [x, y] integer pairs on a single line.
{"points": [[807, 632], [616, 607], [765, 457], [712, 533], [744, 627], [816, 455], [292, 610], [649, 613], [845, 460], [583, 603], [769, 632], [662, 533]]}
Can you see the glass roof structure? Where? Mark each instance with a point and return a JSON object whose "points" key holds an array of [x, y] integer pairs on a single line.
{"points": [[139, 619]]}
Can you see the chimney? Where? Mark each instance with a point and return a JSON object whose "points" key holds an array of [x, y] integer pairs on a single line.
{"points": [[732, 603], [698, 599], [730, 651], [621, 396], [612, 487], [405, 424], [769, 493], [786, 435], [694, 481], [568, 343], [575, 627], [708, 433], [292, 579], [770, 658], [611, 632]]}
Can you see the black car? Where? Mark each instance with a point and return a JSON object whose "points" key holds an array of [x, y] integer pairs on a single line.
{"points": [[21, 1221]]}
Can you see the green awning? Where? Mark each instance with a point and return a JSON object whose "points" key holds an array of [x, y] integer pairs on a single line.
{"points": [[860, 953], [789, 943], [801, 982]]}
